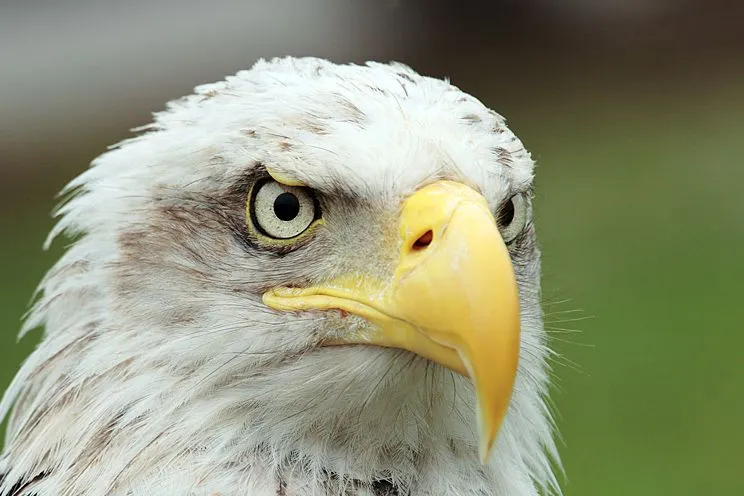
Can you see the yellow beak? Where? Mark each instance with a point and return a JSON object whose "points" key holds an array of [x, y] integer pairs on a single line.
{"points": [[452, 298]]}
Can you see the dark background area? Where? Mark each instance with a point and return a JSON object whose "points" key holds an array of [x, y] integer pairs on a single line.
{"points": [[633, 110]]}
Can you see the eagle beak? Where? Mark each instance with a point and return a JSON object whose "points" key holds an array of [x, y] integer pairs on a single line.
{"points": [[452, 298]]}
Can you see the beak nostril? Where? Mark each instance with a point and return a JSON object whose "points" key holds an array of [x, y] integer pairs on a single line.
{"points": [[423, 241]]}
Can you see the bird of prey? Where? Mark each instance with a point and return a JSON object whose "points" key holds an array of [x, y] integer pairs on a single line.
{"points": [[307, 279]]}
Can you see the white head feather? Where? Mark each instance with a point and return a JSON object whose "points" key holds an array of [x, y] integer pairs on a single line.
{"points": [[162, 372]]}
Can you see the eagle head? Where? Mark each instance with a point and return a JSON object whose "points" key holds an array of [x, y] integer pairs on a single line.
{"points": [[306, 279]]}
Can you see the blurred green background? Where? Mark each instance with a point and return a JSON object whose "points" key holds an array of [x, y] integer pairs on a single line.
{"points": [[635, 120]]}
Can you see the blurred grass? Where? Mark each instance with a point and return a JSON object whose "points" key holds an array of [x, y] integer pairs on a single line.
{"points": [[640, 217], [641, 222]]}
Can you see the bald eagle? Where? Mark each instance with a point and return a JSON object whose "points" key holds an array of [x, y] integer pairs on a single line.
{"points": [[307, 279]]}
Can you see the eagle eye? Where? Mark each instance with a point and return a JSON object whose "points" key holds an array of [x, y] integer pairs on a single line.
{"points": [[512, 217], [280, 211]]}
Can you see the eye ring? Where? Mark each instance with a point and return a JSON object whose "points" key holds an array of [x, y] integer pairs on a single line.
{"points": [[281, 212], [512, 217]]}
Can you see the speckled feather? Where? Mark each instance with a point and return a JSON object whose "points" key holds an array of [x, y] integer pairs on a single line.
{"points": [[161, 372]]}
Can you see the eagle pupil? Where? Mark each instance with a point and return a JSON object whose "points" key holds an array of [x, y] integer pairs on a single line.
{"points": [[286, 206], [506, 215]]}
